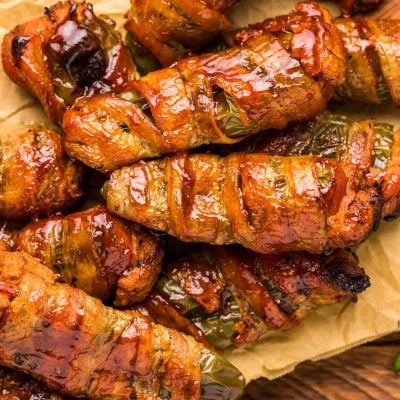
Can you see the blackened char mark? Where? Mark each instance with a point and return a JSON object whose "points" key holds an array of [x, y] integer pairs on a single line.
{"points": [[79, 52], [18, 45]]}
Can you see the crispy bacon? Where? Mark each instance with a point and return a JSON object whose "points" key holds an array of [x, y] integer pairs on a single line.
{"points": [[73, 343], [266, 203], [339, 138], [105, 256], [171, 30], [390, 176], [227, 296], [67, 53], [36, 175], [284, 75], [372, 60]]}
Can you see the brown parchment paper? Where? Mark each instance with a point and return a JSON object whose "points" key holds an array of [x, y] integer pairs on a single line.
{"points": [[326, 332]]}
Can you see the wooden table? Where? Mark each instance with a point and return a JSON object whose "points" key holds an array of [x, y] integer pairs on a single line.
{"points": [[364, 373]]}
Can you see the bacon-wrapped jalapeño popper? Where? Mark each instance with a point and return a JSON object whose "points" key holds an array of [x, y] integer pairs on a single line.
{"points": [[171, 30], [106, 132], [269, 204], [36, 175], [227, 296], [96, 251], [67, 53], [372, 54], [336, 137], [287, 75], [73, 343]]}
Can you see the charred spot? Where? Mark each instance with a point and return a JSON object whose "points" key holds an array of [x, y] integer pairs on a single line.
{"points": [[392, 217], [351, 283], [49, 12], [124, 127], [79, 52], [17, 47]]}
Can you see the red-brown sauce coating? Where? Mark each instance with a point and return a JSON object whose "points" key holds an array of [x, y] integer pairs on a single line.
{"points": [[286, 74], [94, 250], [65, 54], [74, 344]]}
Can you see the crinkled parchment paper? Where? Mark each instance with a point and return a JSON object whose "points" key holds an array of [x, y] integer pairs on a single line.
{"points": [[326, 332]]}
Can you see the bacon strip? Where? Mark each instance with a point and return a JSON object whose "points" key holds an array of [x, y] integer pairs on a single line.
{"points": [[74, 344], [286, 74], [266, 203], [172, 29], [343, 140], [105, 256], [371, 52], [271, 291], [36, 175], [67, 53]]}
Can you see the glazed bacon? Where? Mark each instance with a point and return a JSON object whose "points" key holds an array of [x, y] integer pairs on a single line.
{"points": [[268, 204], [228, 296], [67, 53], [337, 137], [73, 343], [171, 30], [19, 386], [389, 175], [371, 52], [372, 60], [105, 256], [36, 175], [284, 75]]}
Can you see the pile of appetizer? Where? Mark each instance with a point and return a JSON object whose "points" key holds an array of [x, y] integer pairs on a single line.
{"points": [[193, 195]]}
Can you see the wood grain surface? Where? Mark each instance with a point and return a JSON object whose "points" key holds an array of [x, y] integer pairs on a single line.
{"points": [[364, 373]]}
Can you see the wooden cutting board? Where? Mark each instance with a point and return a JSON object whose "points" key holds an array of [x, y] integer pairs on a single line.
{"points": [[364, 373]]}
